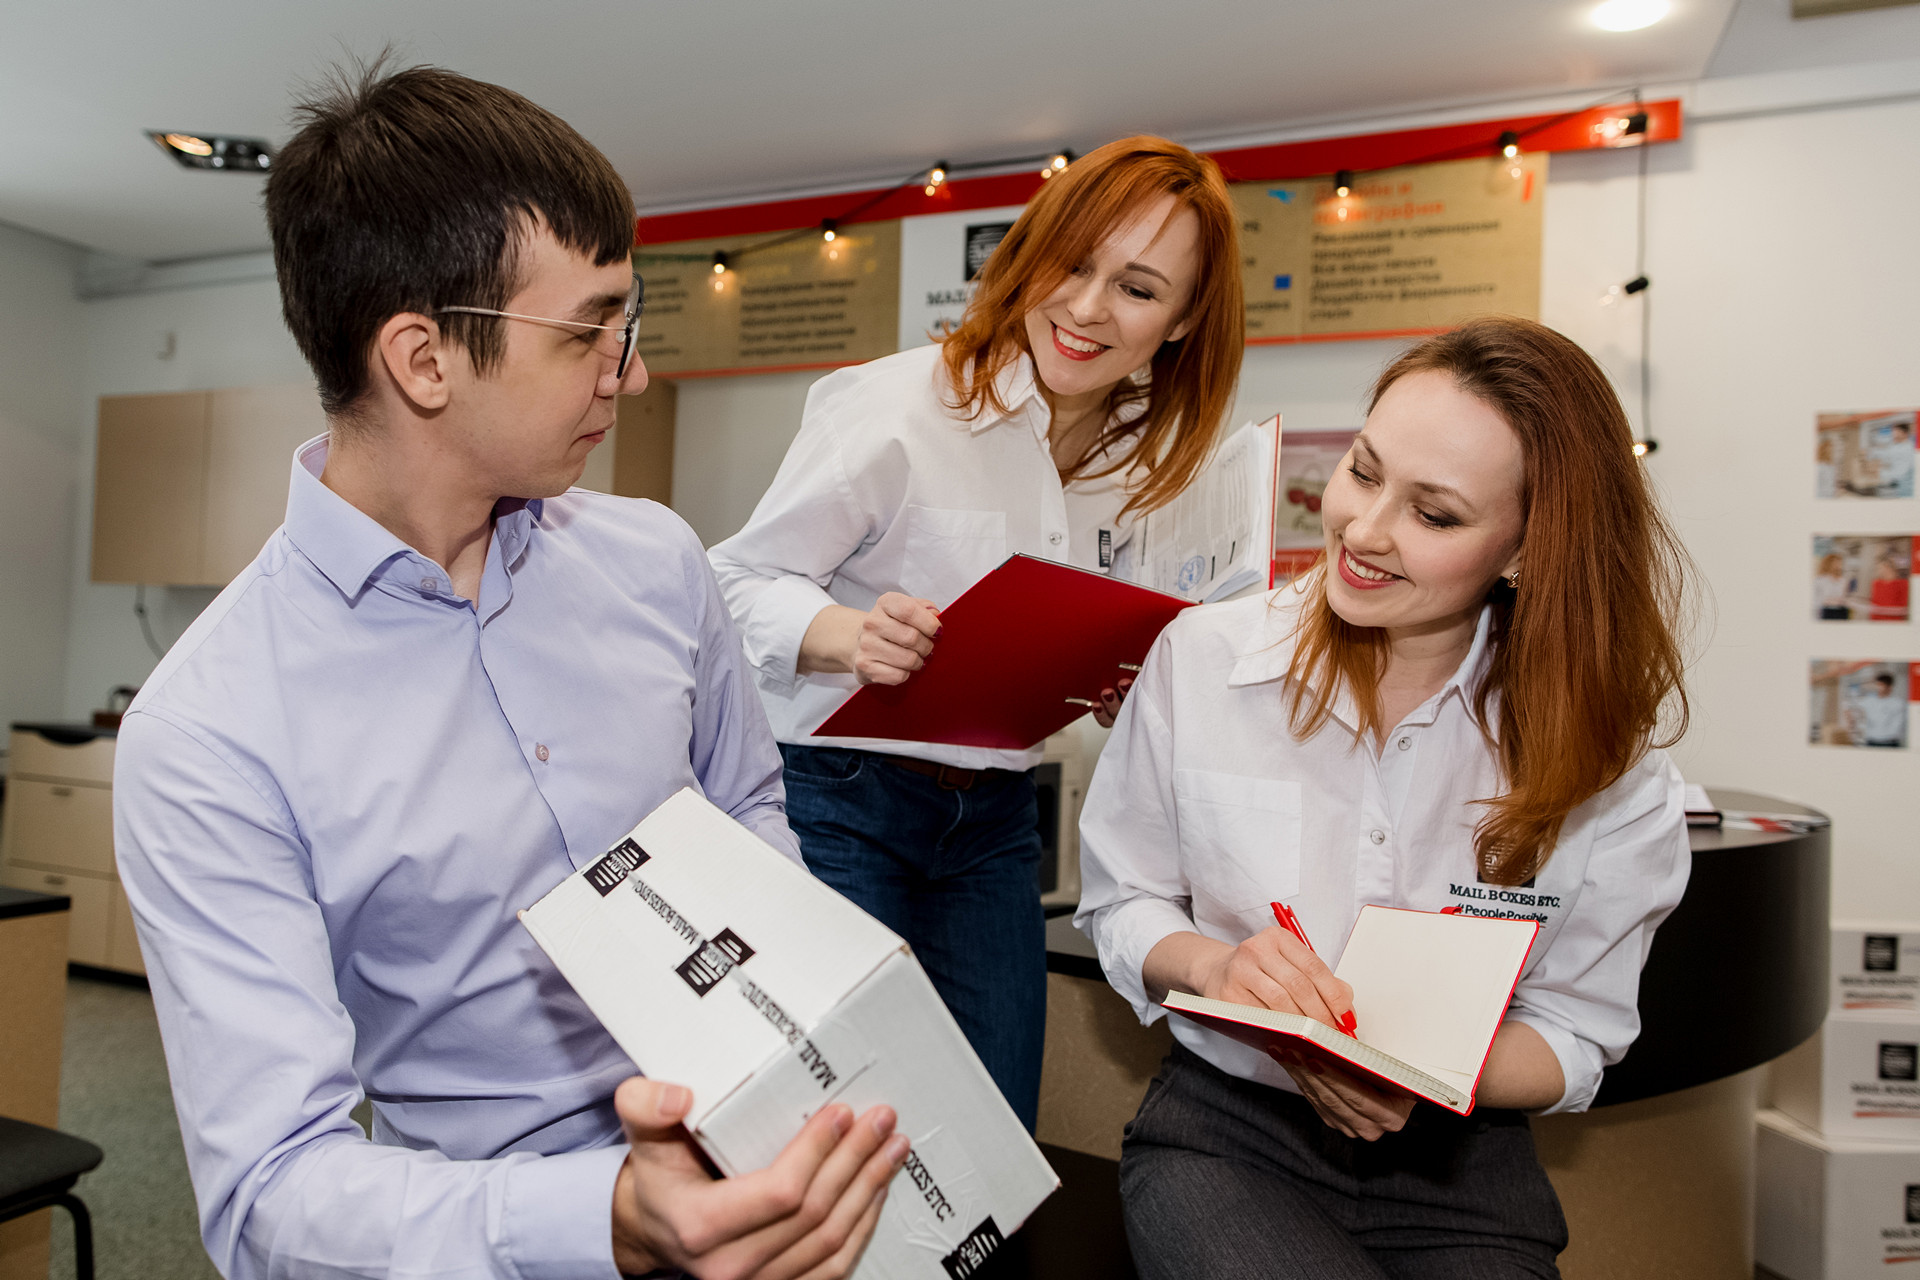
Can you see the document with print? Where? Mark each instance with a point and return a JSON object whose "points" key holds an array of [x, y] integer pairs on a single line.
{"points": [[1429, 991], [1216, 538]]}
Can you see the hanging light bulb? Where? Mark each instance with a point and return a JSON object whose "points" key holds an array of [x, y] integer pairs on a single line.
{"points": [[1510, 144], [1641, 448], [719, 262], [829, 230], [1343, 183], [1059, 161], [936, 176]]}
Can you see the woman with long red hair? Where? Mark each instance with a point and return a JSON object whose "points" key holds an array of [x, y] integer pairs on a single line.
{"points": [[1085, 385], [1459, 710]]}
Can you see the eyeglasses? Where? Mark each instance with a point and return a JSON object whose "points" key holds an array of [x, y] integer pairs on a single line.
{"points": [[628, 328]]}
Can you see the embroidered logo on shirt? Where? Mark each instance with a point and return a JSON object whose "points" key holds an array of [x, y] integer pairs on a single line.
{"points": [[972, 1253], [713, 961], [619, 863]]}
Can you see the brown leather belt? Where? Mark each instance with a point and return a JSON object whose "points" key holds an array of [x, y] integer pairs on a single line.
{"points": [[950, 777]]}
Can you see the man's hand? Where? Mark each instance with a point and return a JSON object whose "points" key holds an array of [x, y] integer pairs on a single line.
{"points": [[806, 1216], [1356, 1105]]}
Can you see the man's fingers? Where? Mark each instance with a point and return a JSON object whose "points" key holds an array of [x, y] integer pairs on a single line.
{"points": [[762, 1202], [650, 1109], [856, 1202], [842, 1263]]}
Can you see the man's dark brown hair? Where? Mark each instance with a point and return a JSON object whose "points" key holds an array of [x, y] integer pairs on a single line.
{"points": [[411, 190]]}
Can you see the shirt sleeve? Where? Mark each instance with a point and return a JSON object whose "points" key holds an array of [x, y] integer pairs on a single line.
{"points": [[774, 572], [1133, 890], [260, 1053], [1583, 995], [733, 752]]}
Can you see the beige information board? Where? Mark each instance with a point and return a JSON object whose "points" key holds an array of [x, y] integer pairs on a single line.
{"points": [[1410, 249], [808, 302]]}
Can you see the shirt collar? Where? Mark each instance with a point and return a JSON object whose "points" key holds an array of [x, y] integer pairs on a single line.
{"points": [[1268, 653], [350, 547]]}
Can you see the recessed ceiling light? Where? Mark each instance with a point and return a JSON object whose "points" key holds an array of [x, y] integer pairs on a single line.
{"points": [[208, 151], [1629, 15]]}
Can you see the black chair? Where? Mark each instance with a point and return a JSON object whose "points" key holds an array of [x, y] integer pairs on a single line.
{"points": [[38, 1168]]}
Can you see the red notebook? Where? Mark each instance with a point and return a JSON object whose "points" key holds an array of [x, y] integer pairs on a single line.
{"points": [[1429, 991], [1022, 654]]}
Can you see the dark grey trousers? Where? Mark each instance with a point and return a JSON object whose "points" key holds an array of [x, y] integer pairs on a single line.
{"points": [[1222, 1178]]}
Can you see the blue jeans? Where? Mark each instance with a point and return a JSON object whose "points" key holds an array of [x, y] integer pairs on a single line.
{"points": [[955, 873]]}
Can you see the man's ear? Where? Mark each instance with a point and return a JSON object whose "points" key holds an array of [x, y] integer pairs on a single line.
{"points": [[417, 358]]}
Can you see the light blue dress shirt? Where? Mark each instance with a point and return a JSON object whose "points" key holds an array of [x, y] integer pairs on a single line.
{"points": [[332, 797]]}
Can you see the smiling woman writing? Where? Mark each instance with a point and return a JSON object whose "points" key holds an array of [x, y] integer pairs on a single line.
{"points": [[1085, 385], [1456, 712]]}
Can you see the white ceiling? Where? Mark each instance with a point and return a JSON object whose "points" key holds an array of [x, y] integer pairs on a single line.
{"points": [[724, 98]]}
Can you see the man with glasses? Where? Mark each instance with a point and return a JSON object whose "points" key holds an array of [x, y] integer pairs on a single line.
{"points": [[445, 683]]}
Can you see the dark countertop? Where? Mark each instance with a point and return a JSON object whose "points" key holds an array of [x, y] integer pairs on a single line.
{"points": [[25, 902], [68, 733], [1764, 1000]]}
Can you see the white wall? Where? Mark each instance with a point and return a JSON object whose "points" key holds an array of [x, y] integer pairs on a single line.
{"points": [[42, 356], [227, 335]]}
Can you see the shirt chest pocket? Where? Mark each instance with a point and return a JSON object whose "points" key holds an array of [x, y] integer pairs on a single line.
{"points": [[949, 550], [1239, 839]]}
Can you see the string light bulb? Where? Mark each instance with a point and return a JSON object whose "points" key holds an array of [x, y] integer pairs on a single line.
{"points": [[1060, 160], [829, 230], [1510, 144], [1641, 448], [1343, 183], [719, 262], [936, 176]]}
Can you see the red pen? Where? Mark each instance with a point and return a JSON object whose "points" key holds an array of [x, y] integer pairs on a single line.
{"points": [[1291, 923]]}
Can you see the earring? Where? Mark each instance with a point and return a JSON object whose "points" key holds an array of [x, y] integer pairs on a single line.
{"points": [[1513, 580]]}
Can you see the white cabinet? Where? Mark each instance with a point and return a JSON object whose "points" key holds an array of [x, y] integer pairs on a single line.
{"points": [[57, 837]]}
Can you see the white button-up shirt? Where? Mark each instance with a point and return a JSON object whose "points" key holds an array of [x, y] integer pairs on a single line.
{"points": [[1205, 809], [888, 488]]}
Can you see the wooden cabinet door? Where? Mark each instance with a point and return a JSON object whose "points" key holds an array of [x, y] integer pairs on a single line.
{"points": [[66, 826], [149, 488], [251, 435]]}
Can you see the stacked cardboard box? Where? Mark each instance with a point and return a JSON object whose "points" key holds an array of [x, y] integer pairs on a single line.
{"points": [[1839, 1155]]}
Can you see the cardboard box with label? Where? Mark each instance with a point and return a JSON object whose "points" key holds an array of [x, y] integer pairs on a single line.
{"points": [[1875, 967], [1833, 1208], [1859, 1077], [719, 964]]}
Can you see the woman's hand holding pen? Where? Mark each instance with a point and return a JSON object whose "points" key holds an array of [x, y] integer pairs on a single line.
{"points": [[1274, 969], [883, 645]]}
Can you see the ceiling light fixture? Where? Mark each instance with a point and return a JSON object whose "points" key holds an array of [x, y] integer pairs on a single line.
{"points": [[1343, 183], [1629, 15], [209, 151]]}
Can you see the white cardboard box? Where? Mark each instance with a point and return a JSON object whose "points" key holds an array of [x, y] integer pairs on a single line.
{"points": [[1833, 1208], [1859, 1077], [1875, 967], [719, 964]]}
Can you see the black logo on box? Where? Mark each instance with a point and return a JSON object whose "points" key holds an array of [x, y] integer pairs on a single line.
{"points": [[714, 961], [605, 875], [1880, 953], [1899, 1062], [1913, 1202], [1106, 548], [972, 1253], [982, 239]]}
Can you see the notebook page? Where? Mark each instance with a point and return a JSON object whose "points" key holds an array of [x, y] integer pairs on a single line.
{"points": [[1429, 988]]}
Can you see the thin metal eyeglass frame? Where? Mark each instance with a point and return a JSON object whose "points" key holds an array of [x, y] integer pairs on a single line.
{"points": [[628, 331]]}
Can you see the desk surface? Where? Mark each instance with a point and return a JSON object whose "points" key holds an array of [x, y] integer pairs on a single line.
{"points": [[25, 902], [1712, 1002]]}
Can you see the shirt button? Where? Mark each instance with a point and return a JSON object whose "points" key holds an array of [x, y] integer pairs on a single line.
{"points": [[429, 586], [1053, 539], [1376, 835], [1405, 743], [540, 753]]}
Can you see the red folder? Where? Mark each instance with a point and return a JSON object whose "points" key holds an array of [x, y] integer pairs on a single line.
{"points": [[1020, 656]]}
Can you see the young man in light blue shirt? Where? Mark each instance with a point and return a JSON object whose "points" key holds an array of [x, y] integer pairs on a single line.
{"points": [[443, 685]]}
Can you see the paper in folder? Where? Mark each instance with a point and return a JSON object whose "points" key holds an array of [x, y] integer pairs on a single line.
{"points": [[1021, 655]]}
